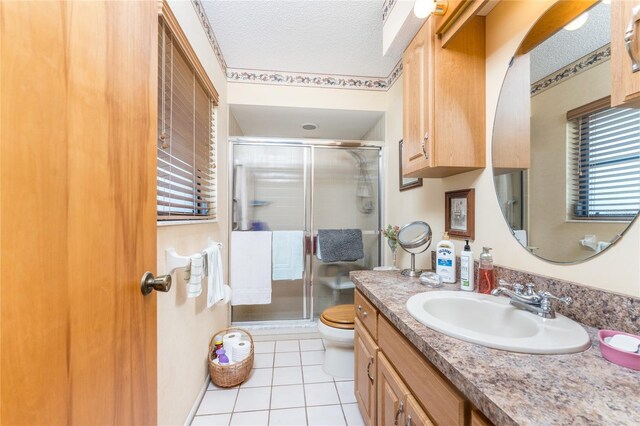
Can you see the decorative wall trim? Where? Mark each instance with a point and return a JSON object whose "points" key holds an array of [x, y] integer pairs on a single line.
{"points": [[294, 78], [386, 9], [204, 20], [594, 58]]}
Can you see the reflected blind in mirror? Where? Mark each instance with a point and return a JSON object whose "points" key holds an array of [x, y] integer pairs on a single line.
{"points": [[186, 136], [604, 181]]}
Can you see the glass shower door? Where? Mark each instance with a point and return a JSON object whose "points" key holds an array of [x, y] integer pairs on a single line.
{"points": [[345, 196], [271, 192]]}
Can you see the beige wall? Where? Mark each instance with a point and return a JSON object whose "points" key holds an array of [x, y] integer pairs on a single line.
{"points": [[616, 269], [234, 127], [185, 325], [549, 229]]}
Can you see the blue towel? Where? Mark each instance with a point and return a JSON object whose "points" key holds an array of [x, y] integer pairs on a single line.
{"points": [[287, 261], [340, 245]]}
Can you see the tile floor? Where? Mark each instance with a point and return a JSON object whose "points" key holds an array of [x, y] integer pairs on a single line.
{"points": [[287, 387]]}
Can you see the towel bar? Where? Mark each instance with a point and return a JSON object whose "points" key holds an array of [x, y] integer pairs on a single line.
{"points": [[173, 261]]}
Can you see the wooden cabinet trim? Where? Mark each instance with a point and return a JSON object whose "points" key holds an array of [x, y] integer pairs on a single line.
{"points": [[365, 352], [367, 314]]}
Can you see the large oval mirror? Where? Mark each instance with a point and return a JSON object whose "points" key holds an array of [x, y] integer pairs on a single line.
{"points": [[566, 164]]}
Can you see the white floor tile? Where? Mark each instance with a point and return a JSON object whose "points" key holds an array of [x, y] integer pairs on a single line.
{"points": [[312, 357], [346, 392], [264, 347], [263, 361], [321, 394], [253, 418], [214, 420], [330, 415], [288, 417], [352, 413], [315, 374], [217, 402], [343, 379], [287, 376], [311, 345], [287, 396], [252, 399], [258, 377], [287, 359], [287, 346]]}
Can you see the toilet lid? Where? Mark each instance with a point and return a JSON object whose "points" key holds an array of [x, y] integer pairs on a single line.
{"points": [[340, 316]]}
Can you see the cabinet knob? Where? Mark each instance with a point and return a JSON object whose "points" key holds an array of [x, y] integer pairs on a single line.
{"points": [[630, 38], [364, 314], [360, 308]]}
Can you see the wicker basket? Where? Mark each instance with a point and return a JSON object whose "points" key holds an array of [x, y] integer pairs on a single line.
{"points": [[227, 376]]}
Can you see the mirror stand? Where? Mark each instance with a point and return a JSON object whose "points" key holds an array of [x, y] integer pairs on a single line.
{"points": [[412, 272]]}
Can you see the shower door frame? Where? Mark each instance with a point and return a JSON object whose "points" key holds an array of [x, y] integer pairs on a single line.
{"points": [[309, 187]]}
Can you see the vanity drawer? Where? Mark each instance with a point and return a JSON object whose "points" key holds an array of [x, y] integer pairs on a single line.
{"points": [[444, 404], [366, 313]]}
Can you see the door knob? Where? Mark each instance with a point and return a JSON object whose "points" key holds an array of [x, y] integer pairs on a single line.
{"points": [[149, 283]]}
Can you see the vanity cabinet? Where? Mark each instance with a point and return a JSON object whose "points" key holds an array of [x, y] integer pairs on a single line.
{"points": [[366, 367], [444, 102], [393, 381], [625, 76]]}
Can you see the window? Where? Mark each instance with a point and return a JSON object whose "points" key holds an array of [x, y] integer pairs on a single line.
{"points": [[186, 130], [604, 179]]}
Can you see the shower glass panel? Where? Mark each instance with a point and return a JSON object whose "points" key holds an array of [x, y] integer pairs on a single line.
{"points": [[345, 196], [306, 186], [275, 198]]}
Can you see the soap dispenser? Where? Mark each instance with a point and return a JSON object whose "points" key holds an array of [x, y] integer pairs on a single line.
{"points": [[446, 260], [486, 274], [466, 269]]}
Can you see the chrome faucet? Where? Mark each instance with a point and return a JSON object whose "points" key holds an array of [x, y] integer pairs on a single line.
{"points": [[527, 299]]}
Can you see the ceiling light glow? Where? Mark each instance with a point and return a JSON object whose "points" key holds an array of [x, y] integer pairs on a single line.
{"points": [[577, 23], [423, 8]]}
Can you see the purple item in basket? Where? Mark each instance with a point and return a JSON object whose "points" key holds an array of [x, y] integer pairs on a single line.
{"points": [[222, 357]]}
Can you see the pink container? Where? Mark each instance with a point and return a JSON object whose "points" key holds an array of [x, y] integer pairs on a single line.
{"points": [[625, 359]]}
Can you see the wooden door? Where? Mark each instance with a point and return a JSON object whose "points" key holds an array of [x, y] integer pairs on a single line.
{"points": [[625, 76], [418, 129], [365, 351], [391, 394], [78, 83], [414, 415]]}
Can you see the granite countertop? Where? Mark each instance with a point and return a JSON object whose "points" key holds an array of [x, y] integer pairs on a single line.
{"points": [[512, 388]]}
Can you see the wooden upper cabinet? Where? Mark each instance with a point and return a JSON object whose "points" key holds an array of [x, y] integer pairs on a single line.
{"points": [[625, 61], [511, 145], [444, 102]]}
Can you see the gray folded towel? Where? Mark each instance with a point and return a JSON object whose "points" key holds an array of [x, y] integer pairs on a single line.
{"points": [[340, 245]]}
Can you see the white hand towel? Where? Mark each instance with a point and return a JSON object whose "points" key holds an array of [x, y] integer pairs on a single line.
{"points": [[194, 287], [215, 285], [250, 267], [287, 255]]}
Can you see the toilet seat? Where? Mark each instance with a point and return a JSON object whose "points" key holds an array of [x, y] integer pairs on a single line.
{"points": [[339, 316]]}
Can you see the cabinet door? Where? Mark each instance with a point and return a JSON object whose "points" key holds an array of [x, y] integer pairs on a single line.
{"points": [[391, 394], [414, 415], [417, 63], [365, 351], [625, 64]]}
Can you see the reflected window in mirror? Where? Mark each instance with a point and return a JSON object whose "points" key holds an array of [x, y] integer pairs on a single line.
{"points": [[604, 181]]}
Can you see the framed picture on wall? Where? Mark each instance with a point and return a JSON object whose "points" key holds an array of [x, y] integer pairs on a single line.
{"points": [[406, 183], [460, 213]]}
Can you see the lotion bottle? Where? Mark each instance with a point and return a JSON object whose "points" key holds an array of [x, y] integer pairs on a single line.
{"points": [[446, 260], [466, 269]]}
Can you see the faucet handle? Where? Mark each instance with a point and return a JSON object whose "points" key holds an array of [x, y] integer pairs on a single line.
{"points": [[517, 288], [545, 302], [531, 289]]}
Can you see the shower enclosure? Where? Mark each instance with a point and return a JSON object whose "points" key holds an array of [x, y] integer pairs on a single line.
{"points": [[306, 185]]}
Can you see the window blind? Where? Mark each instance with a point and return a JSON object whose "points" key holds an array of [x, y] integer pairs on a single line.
{"points": [[186, 131], [605, 162]]}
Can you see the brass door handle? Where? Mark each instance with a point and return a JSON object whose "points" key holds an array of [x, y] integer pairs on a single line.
{"points": [[148, 283], [630, 38]]}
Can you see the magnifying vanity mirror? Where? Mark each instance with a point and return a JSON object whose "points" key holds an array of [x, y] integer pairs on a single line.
{"points": [[414, 238], [566, 163]]}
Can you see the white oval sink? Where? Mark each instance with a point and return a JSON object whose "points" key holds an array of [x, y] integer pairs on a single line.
{"points": [[491, 321]]}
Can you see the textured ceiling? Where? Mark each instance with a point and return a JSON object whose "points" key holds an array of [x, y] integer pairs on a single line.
{"points": [[305, 36], [566, 47], [269, 121]]}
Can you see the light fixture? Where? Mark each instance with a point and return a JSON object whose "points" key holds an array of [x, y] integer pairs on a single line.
{"points": [[606, 1], [577, 23], [424, 8], [309, 126]]}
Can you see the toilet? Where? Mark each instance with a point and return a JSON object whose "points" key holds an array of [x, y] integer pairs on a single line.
{"points": [[336, 328]]}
